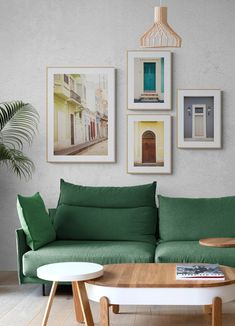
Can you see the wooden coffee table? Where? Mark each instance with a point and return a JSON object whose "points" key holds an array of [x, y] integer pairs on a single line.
{"points": [[156, 284]]}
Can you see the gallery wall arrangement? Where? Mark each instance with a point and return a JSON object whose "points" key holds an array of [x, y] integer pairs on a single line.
{"points": [[81, 114], [81, 108]]}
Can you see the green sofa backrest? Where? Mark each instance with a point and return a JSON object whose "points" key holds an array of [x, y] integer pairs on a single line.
{"points": [[106, 213], [196, 218], [119, 197]]}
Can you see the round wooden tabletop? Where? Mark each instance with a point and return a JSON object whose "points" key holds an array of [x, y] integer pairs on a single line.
{"points": [[218, 242], [154, 276]]}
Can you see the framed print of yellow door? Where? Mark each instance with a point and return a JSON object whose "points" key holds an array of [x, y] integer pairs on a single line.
{"points": [[149, 143]]}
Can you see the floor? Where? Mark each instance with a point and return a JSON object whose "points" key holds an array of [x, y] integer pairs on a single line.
{"points": [[24, 305]]}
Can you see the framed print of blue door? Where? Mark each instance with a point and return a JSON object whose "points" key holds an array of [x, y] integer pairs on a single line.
{"points": [[149, 80], [149, 76]]}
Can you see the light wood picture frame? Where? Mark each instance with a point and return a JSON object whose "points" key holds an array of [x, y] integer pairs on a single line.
{"points": [[149, 80], [81, 114], [148, 144], [199, 118]]}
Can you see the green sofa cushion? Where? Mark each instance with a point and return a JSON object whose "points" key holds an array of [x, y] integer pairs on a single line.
{"points": [[101, 252], [35, 221], [94, 223], [193, 252], [107, 197], [193, 219]]}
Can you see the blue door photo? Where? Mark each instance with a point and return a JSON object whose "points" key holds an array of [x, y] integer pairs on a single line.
{"points": [[149, 76]]}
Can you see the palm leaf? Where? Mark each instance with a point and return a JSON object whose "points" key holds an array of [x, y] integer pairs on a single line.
{"points": [[16, 161], [18, 123]]}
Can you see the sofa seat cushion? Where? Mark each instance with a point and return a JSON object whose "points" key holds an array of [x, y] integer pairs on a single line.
{"points": [[193, 252], [101, 252]]}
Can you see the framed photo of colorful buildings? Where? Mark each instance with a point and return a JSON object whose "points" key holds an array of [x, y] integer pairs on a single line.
{"points": [[149, 80], [199, 118], [149, 143], [81, 114]]}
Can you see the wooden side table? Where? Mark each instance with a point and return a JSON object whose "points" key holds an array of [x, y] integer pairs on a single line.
{"points": [[218, 242], [76, 273]]}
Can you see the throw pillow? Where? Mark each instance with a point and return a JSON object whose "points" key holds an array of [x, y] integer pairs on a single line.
{"points": [[35, 221]]}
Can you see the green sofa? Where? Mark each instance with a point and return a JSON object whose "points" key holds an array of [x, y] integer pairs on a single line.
{"points": [[110, 225]]}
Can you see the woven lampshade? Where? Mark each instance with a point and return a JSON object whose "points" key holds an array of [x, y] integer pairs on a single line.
{"points": [[160, 33]]}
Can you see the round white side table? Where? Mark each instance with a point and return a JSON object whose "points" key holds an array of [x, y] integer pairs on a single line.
{"points": [[76, 273]]}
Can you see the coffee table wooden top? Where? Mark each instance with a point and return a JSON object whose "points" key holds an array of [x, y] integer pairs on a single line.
{"points": [[154, 276], [218, 242]]}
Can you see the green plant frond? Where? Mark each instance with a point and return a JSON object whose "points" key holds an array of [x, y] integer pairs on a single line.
{"points": [[14, 159], [7, 110], [12, 138], [18, 123]]}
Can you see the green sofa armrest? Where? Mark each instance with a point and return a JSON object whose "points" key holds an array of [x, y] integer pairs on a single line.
{"points": [[21, 249]]}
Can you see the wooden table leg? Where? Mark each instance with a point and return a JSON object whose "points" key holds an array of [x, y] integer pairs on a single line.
{"points": [[207, 309], [104, 312], [77, 304], [85, 305], [217, 312], [115, 308], [49, 303]]}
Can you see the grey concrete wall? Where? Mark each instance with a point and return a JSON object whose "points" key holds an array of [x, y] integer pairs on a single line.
{"points": [[39, 33]]}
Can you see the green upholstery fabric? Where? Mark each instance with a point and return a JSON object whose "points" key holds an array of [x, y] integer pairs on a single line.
{"points": [[35, 221], [193, 252], [193, 219], [93, 223], [101, 252], [108, 197], [21, 249], [106, 213]]}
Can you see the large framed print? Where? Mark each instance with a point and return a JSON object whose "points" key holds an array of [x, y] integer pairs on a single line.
{"points": [[149, 80], [149, 143], [81, 114], [199, 118]]}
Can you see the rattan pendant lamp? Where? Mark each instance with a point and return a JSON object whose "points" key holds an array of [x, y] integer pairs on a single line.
{"points": [[160, 34]]}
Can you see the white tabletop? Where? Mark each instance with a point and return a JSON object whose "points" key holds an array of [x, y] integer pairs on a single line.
{"points": [[70, 271]]}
